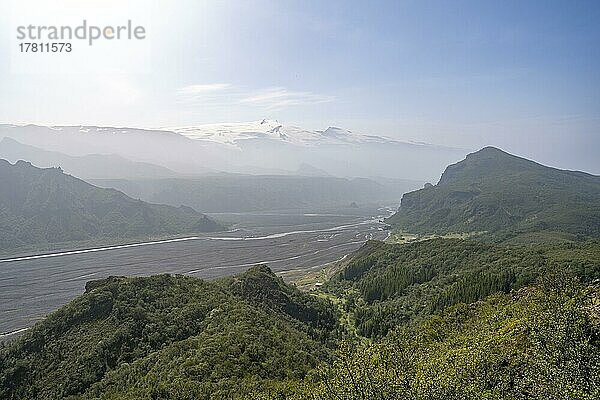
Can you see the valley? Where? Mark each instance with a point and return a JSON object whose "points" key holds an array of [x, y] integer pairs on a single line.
{"points": [[312, 302], [296, 200], [31, 288]]}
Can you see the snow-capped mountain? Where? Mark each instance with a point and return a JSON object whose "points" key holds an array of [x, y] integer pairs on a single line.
{"points": [[269, 145], [258, 147], [266, 129]]}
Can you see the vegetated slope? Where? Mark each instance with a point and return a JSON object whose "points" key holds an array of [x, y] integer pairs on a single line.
{"points": [[91, 166], [252, 336], [542, 342], [170, 337], [236, 193], [388, 285], [497, 192], [46, 205]]}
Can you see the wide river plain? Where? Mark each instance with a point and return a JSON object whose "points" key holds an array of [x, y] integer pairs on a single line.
{"points": [[34, 285]]}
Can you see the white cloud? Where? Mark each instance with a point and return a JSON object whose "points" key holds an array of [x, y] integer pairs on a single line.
{"points": [[203, 89], [280, 97], [228, 95], [119, 89]]}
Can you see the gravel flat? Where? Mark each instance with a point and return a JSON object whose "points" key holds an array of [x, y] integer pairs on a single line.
{"points": [[32, 288]]}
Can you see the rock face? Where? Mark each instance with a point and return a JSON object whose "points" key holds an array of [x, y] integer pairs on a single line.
{"points": [[491, 190]]}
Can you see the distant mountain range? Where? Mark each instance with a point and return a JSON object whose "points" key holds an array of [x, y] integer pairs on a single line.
{"points": [[308, 186], [500, 193], [164, 148], [236, 133], [257, 147], [39, 206], [337, 151], [89, 166]]}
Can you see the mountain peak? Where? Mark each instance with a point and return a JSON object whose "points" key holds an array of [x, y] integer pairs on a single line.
{"points": [[489, 161], [490, 150], [491, 190], [335, 132]]}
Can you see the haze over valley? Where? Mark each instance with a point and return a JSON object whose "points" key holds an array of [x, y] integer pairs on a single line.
{"points": [[323, 234], [260, 147]]}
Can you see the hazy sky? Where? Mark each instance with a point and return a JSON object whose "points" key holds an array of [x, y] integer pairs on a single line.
{"points": [[522, 75]]}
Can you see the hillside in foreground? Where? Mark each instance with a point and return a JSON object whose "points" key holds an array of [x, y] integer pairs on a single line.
{"points": [[40, 206], [542, 342], [171, 337], [496, 192], [253, 336]]}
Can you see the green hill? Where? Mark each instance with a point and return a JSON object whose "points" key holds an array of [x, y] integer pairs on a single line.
{"points": [[166, 337], [493, 191], [40, 206]]}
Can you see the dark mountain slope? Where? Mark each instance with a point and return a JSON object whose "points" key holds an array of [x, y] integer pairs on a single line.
{"points": [[496, 192], [48, 206]]}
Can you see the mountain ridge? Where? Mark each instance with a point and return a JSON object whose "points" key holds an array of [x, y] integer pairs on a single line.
{"points": [[228, 337], [232, 132], [45, 205], [236, 193], [494, 191], [89, 166], [509, 162]]}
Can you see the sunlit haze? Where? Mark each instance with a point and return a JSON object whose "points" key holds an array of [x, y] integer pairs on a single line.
{"points": [[523, 76]]}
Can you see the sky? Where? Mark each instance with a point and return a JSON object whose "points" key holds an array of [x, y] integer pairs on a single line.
{"points": [[524, 76]]}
